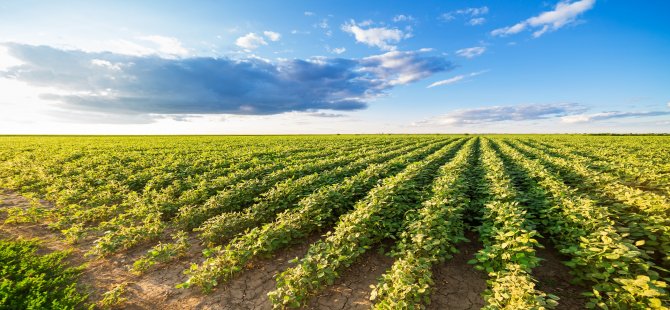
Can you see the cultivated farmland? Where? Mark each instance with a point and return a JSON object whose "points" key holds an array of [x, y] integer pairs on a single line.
{"points": [[351, 221]]}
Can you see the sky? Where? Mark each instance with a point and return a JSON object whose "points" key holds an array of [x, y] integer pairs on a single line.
{"points": [[292, 67]]}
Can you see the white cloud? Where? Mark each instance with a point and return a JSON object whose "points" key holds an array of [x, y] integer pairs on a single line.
{"points": [[250, 41], [365, 23], [477, 21], [338, 50], [471, 52], [473, 13], [493, 114], [447, 81], [296, 31], [585, 118], [381, 37], [447, 17], [509, 30], [455, 79], [272, 36], [564, 13], [308, 13], [402, 18], [6, 60], [106, 64], [397, 68], [668, 104], [167, 45]]}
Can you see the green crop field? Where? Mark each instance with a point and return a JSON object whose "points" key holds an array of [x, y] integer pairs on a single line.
{"points": [[337, 221]]}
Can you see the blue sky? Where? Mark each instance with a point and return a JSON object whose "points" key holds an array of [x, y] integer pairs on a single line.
{"points": [[334, 67]]}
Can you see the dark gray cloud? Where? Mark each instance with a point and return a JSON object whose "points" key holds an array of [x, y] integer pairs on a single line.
{"points": [[508, 113], [121, 84]]}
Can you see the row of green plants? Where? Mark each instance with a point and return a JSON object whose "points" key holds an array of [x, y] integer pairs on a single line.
{"points": [[373, 219], [240, 194], [622, 276], [509, 237], [312, 213], [430, 236], [90, 185], [29, 280], [639, 161], [645, 201], [284, 195], [193, 188], [146, 221], [643, 214]]}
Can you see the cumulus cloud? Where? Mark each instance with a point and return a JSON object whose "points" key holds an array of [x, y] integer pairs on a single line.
{"points": [[506, 113], [250, 41], [471, 52], [474, 15], [272, 36], [111, 83], [455, 79], [585, 118], [396, 67], [564, 13], [382, 37], [308, 13]]}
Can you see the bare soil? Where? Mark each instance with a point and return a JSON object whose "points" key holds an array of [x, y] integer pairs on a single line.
{"points": [[458, 285], [554, 278], [352, 289]]}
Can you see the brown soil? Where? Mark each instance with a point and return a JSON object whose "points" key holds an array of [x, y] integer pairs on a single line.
{"points": [[458, 285], [554, 278], [352, 289]]}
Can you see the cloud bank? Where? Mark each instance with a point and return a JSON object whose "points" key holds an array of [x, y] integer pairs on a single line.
{"points": [[570, 113], [563, 14], [586, 118], [104, 82], [492, 114]]}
